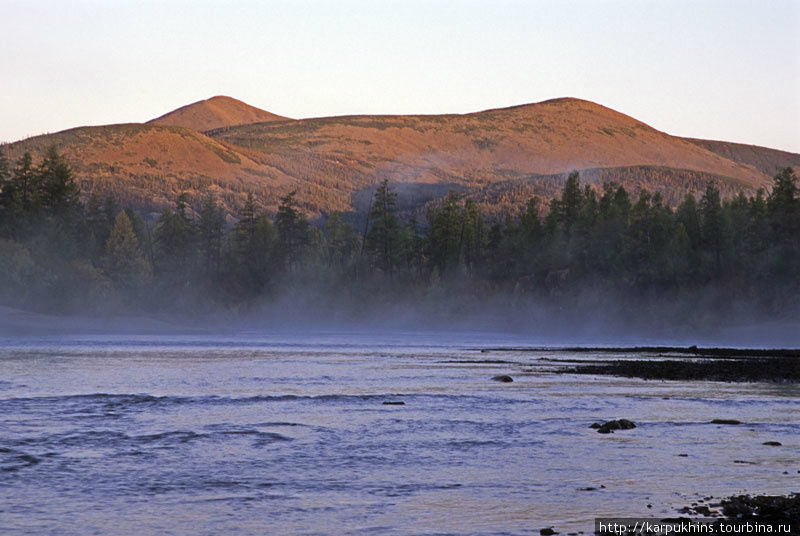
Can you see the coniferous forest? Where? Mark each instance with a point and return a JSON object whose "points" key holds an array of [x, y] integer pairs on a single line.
{"points": [[596, 249]]}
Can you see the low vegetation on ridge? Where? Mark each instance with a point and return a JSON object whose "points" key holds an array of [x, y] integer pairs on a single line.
{"points": [[498, 157]]}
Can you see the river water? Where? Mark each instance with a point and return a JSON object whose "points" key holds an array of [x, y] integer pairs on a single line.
{"points": [[289, 434]]}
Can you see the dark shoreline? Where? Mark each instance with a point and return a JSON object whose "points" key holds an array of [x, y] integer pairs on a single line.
{"points": [[690, 351], [772, 369], [777, 365], [770, 509]]}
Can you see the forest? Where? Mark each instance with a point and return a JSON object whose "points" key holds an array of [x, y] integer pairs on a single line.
{"points": [[589, 247]]}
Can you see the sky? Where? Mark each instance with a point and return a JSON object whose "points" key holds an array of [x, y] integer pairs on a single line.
{"points": [[716, 69]]}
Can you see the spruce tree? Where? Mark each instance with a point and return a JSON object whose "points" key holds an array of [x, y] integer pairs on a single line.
{"points": [[210, 231], [294, 231], [382, 237]]}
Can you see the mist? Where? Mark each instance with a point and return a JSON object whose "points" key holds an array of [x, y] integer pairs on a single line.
{"points": [[588, 266]]}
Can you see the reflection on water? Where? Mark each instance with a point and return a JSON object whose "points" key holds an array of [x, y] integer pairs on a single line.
{"points": [[290, 436]]}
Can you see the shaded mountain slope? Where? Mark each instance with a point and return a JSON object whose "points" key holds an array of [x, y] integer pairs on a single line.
{"points": [[768, 161]]}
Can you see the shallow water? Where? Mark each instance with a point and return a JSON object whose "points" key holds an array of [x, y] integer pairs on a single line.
{"points": [[285, 434]]}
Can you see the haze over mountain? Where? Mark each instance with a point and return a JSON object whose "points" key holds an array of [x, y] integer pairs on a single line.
{"points": [[500, 157]]}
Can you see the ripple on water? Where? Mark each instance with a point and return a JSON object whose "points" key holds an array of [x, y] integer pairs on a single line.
{"points": [[235, 440]]}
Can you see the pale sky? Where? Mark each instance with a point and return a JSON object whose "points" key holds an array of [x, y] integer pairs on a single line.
{"points": [[726, 69]]}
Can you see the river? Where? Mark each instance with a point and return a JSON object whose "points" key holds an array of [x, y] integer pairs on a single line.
{"points": [[258, 433]]}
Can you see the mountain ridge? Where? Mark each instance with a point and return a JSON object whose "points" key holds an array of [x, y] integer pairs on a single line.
{"points": [[332, 162], [216, 112]]}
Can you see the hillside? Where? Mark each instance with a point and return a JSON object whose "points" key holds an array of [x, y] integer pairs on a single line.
{"points": [[216, 112], [147, 166], [768, 161], [499, 156]]}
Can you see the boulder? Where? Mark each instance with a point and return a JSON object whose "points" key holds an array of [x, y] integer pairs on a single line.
{"points": [[608, 427], [503, 378]]}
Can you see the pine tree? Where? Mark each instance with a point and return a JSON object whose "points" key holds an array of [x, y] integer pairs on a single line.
{"points": [[4, 169], [175, 241], [381, 240], [571, 202], [410, 247], [124, 263], [784, 207], [341, 243], [293, 231], [59, 194], [19, 200], [712, 224], [445, 233], [211, 220], [474, 237]]}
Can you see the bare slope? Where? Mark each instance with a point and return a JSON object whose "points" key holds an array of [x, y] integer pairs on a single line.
{"points": [[149, 165], [216, 112], [502, 156], [545, 138]]}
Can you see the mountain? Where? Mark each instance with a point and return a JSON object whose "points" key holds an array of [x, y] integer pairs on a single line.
{"points": [[500, 157], [768, 161], [146, 166], [216, 112]]}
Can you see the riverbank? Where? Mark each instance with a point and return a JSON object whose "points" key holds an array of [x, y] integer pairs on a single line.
{"points": [[692, 363]]}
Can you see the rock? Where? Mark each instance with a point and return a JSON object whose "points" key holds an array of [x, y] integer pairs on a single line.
{"points": [[766, 507], [625, 424], [587, 489], [547, 531], [595, 425], [608, 427], [703, 510], [772, 443], [726, 421], [683, 455], [393, 403], [503, 378]]}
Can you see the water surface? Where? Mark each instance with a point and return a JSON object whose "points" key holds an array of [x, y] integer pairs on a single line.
{"points": [[283, 434]]}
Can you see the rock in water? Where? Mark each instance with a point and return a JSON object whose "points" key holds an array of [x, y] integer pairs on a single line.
{"points": [[772, 443], [393, 403], [625, 424], [608, 427], [547, 531], [726, 421], [503, 378]]}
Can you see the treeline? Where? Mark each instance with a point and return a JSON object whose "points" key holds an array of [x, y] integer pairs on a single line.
{"points": [[59, 253]]}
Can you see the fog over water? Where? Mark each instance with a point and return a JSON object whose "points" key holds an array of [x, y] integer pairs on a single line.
{"points": [[259, 431], [585, 320]]}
